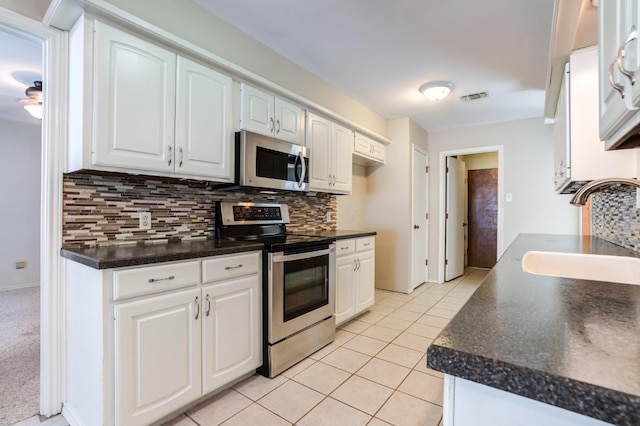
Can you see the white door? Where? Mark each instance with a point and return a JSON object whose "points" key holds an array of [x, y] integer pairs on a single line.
{"points": [[365, 280], [289, 122], [203, 122], [256, 110], [157, 356], [231, 330], [134, 100], [345, 288], [319, 141], [454, 228], [342, 159], [420, 209]]}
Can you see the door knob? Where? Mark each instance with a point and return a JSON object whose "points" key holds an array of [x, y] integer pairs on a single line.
{"points": [[416, 226]]}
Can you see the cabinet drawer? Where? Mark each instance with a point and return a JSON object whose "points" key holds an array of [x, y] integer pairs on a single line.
{"points": [[154, 279], [345, 247], [224, 267], [366, 243]]}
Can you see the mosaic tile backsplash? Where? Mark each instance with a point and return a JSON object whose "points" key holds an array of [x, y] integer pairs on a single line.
{"points": [[100, 210], [615, 218]]}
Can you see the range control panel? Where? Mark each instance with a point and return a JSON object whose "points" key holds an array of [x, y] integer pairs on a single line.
{"points": [[253, 213]]}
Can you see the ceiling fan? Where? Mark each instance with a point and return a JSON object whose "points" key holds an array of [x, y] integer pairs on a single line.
{"points": [[33, 103]]}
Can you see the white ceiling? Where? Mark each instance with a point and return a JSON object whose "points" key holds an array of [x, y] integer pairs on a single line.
{"points": [[20, 66], [381, 51]]}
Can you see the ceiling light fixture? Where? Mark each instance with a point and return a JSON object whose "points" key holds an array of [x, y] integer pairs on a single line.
{"points": [[436, 90], [33, 103]]}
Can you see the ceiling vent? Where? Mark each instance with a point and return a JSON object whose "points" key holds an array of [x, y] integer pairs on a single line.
{"points": [[474, 96]]}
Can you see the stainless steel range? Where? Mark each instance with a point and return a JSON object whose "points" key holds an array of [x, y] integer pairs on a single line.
{"points": [[298, 282]]}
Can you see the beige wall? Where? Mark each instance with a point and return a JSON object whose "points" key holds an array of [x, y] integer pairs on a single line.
{"points": [[389, 206], [192, 23], [527, 173], [352, 209], [486, 160], [34, 9]]}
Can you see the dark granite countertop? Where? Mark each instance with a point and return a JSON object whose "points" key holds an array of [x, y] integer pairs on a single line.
{"points": [[342, 234], [142, 254], [570, 343]]}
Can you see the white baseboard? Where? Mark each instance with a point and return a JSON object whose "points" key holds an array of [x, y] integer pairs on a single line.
{"points": [[17, 286]]}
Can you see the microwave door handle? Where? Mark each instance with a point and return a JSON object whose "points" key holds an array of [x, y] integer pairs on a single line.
{"points": [[304, 170], [296, 175]]}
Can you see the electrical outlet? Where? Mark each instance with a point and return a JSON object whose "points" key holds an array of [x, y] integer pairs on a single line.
{"points": [[21, 264], [145, 220]]}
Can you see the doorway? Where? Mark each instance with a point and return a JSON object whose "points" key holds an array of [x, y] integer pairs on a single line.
{"points": [[420, 217], [458, 253], [53, 142]]}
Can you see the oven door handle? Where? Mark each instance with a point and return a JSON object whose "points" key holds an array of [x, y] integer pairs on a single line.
{"points": [[277, 258]]}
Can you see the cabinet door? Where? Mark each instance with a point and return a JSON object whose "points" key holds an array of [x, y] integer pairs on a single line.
{"points": [[345, 288], [157, 356], [203, 122], [289, 122], [614, 26], [134, 102], [319, 140], [341, 159], [256, 110], [561, 135], [365, 280], [231, 330]]}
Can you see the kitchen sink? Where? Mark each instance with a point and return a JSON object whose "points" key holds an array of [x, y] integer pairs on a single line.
{"points": [[596, 267]]}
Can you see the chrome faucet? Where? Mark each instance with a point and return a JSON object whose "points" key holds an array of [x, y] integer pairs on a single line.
{"points": [[580, 197]]}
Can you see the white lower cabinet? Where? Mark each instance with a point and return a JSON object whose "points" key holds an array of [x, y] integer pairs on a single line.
{"points": [[163, 346], [355, 280]]}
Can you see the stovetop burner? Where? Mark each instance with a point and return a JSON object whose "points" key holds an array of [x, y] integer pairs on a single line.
{"points": [[262, 222]]}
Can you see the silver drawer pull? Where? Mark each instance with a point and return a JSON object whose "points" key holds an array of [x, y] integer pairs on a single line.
{"points": [[155, 280], [367, 244], [228, 268], [344, 248]]}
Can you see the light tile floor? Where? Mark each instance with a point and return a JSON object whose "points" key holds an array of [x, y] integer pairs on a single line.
{"points": [[374, 373]]}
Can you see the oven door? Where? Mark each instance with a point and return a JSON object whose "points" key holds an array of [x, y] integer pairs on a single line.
{"points": [[301, 290]]}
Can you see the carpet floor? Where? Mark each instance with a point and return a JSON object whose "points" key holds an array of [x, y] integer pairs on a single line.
{"points": [[19, 354]]}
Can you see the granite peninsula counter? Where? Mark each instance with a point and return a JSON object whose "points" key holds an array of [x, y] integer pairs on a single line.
{"points": [[573, 344]]}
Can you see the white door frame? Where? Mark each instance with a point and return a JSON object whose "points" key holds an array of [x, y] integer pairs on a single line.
{"points": [[54, 141], [413, 221], [442, 191]]}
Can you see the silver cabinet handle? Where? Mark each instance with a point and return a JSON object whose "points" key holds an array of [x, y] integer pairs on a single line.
{"points": [[619, 88], [416, 226], [621, 56], [272, 124], [197, 308], [344, 248], [358, 262], [208, 305], [355, 264], [229, 268], [155, 280], [170, 155], [181, 157], [278, 124]]}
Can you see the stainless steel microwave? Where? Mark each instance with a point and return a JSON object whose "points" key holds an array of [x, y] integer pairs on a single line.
{"points": [[265, 162]]}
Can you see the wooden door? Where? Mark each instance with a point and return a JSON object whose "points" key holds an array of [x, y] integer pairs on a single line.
{"points": [[455, 220], [483, 217], [420, 229]]}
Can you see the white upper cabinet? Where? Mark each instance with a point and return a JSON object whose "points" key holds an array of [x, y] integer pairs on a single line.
{"points": [[579, 153], [134, 101], [203, 121], [154, 112], [264, 113], [619, 70], [368, 152], [331, 165]]}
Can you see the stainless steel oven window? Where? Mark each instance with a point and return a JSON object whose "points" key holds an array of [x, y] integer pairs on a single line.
{"points": [[291, 308]]}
